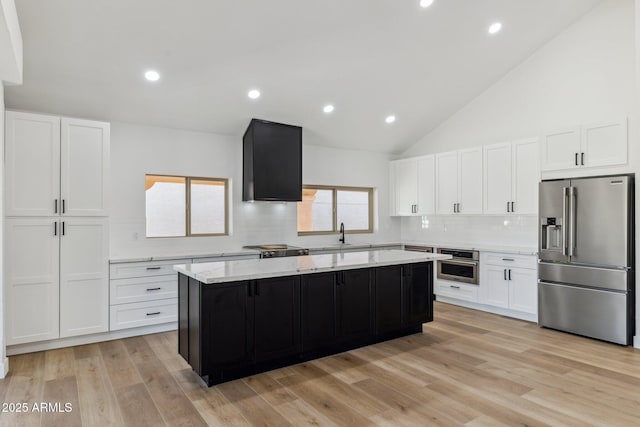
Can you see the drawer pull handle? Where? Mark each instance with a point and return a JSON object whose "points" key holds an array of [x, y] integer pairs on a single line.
{"points": [[153, 268], [508, 259], [153, 289], [153, 314], [454, 287]]}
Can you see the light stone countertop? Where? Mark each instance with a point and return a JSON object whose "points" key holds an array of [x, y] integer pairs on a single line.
{"points": [[226, 253], [231, 271], [518, 250]]}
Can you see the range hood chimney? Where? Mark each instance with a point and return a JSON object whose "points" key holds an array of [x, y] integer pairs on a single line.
{"points": [[272, 162]]}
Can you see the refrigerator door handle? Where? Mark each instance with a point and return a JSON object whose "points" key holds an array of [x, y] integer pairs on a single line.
{"points": [[565, 221], [573, 200]]}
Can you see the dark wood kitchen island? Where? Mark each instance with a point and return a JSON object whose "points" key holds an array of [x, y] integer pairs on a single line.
{"points": [[237, 318]]}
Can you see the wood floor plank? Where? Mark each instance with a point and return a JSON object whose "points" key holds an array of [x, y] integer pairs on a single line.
{"points": [[353, 397], [174, 406], [300, 413], [324, 402], [217, 410], [255, 409], [270, 389], [98, 404], [60, 404], [137, 407], [59, 363], [119, 366], [88, 350], [25, 388]]}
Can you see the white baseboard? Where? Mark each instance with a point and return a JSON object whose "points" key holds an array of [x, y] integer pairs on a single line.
{"points": [[491, 309], [636, 341], [12, 350], [4, 367]]}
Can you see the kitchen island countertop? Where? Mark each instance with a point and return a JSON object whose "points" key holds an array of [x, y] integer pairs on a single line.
{"points": [[232, 271]]}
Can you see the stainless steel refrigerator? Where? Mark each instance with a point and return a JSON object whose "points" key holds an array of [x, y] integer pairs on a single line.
{"points": [[586, 257]]}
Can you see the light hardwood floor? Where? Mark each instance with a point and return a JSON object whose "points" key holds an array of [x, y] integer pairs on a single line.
{"points": [[467, 368]]}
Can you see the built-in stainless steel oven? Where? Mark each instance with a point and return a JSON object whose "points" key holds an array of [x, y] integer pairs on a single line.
{"points": [[463, 267]]}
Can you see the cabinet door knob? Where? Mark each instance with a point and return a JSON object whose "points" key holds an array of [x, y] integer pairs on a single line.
{"points": [[508, 207], [504, 272], [513, 209], [509, 274], [582, 159], [55, 206]]}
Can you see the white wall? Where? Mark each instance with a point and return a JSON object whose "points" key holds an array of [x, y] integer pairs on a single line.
{"points": [[139, 150], [587, 74], [4, 361]]}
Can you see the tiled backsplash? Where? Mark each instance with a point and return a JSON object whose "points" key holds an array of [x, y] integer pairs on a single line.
{"points": [[498, 230]]}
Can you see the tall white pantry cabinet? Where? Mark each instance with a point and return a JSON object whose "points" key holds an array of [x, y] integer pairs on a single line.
{"points": [[56, 227]]}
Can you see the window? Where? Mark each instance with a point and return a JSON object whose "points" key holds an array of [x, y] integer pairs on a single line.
{"points": [[323, 208], [178, 206]]}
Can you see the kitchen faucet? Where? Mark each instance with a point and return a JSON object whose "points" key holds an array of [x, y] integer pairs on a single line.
{"points": [[341, 239]]}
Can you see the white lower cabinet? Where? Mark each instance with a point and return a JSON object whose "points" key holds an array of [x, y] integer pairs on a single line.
{"points": [[509, 281], [56, 278], [143, 293], [146, 313], [457, 290]]}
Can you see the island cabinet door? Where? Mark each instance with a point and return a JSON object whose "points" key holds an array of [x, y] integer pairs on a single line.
{"points": [[318, 311], [277, 317], [388, 299], [354, 305], [221, 329], [417, 282]]}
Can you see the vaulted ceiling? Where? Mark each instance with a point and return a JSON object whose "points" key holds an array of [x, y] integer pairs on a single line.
{"points": [[368, 58]]}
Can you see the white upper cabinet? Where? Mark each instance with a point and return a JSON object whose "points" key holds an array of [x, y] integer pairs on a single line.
{"points": [[470, 181], [525, 176], [404, 175], [413, 186], [597, 145], [604, 144], [560, 149], [426, 185], [459, 182], [497, 178], [32, 164], [447, 182], [511, 175], [84, 167], [55, 166]]}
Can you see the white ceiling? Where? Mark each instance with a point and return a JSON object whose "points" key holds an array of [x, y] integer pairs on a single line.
{"points": [[370, 58]]}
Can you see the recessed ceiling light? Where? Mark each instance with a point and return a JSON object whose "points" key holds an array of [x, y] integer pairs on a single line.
{"points": [[390, 119], [426, 3], [495, 27], [254, 94], [328, 108], [152, 75]]}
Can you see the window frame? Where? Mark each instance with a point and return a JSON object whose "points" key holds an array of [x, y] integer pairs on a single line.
{"points": [[334, 210], [187, 224]]}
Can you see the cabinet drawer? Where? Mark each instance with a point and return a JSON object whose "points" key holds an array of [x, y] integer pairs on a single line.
{"points": [[508, 260], [128, 270], [141, 289], [457, 290], [136, 314]]}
